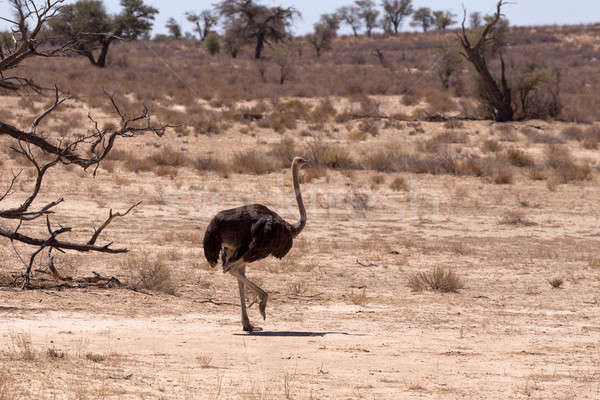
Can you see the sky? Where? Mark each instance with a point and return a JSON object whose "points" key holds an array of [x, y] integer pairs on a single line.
{"points": [[519, 12]]}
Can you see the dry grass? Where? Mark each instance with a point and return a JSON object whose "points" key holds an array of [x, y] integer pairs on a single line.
{"points": [[209, 163], [437, 279], [21, 348], [251, 162], [565, 169], [516, 218], [359, 298], [519, 158], [399, 183], [94, 357], [204, 360], [556, 282], [150, 274]]}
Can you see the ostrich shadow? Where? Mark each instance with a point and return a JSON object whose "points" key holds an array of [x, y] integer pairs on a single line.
{"points": [[295, 334]]}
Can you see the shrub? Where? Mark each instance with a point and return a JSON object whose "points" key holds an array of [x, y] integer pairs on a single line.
{"points": [[399, 183], [564, 168], [322, 112], [211, 41], [331, 156], [438, 279], [284, 152], [168, 157], [573, 133], [251, 162], [515, 218], [556, 282], [453, 124], [495, 169], [491, 146], [208, 163], [150, 274], [381, 161], [519, 158], [309, 174]]}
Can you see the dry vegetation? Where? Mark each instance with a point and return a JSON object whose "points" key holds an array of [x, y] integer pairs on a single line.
{"points": [[497, 217]]}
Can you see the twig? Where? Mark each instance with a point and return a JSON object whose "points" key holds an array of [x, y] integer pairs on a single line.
{"points": [[365, 265]]}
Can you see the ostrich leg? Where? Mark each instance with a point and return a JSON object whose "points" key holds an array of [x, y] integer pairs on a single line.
{"points": [[245, 320], [240, 274]]}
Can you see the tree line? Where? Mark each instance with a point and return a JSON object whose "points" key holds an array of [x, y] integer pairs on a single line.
{"points": [[243, 22]]}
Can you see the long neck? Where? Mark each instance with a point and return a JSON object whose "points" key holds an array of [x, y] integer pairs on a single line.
{"points": [[297, 227]]}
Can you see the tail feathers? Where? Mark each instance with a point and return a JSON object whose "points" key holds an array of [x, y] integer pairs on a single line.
{"points": [[212, 244]]}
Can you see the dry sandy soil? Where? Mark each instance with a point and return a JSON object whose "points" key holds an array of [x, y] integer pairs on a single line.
{"points": [[342, 323]]}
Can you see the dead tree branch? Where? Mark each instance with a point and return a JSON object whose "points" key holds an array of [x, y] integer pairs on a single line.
{"points": [[85, 150], [496, 94]]}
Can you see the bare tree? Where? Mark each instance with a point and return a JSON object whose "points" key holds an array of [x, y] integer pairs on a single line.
{"points": [[38, 149], [496, 93], [203, 22], [395, 11]]}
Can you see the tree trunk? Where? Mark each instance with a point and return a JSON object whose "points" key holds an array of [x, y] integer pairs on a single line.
{"points": [[101, 62], [260, 44], [500, 98]]}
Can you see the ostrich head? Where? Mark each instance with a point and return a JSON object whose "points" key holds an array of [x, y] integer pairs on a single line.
{"points": [[300, 162]]}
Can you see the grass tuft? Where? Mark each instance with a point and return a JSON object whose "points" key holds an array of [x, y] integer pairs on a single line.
{"points": [[437, 279]]}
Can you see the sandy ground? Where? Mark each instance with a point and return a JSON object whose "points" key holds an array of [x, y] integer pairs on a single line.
{"points": [[507, 334]]}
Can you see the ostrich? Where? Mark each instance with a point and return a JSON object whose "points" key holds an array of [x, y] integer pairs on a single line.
{"points": [[250, 233]]}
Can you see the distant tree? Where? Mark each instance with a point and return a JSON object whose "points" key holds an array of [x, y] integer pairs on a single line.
{"points": [[161, 37], [368, 13], [203, 22], [87, 24], [174, 28], [285, 55], [211, 41], [256, 22], [232, 42], [475, 20], [443, 19], [135, 19], [449, 61], [394, 11], [498, 32], [331, 21], [350, 15], [321, 38], [422, 18]]}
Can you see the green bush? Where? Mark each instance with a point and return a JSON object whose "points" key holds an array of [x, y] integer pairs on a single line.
{"points": [[212, 43]]}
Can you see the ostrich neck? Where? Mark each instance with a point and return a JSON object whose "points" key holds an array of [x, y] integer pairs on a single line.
{"points": [[297, 227]]}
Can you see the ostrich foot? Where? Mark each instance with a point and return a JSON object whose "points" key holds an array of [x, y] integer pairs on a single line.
{"points": [[250, 328]]}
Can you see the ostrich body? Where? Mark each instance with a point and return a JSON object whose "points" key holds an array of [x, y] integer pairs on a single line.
{"points": [[249, 233]]}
